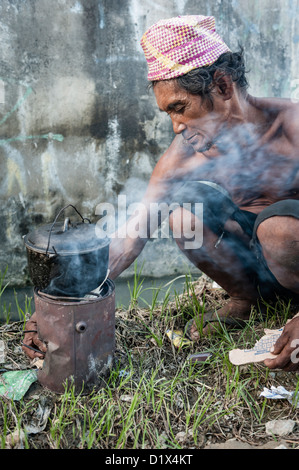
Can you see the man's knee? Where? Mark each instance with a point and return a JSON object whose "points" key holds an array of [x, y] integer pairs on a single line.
{"points": [[181, 219], [187, 228], [279, 240]]}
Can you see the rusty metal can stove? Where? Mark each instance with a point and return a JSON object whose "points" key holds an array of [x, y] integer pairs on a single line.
{"points": [[80, 339]]}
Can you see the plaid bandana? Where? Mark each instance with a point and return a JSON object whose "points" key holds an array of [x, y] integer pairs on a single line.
{"points": [[175, 46]]}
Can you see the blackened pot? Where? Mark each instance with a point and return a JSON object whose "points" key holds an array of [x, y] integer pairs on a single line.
{"points": [[66, 258]]}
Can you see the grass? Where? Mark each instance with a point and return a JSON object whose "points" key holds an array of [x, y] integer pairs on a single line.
{"points": [[19, 312], [154, 397]]}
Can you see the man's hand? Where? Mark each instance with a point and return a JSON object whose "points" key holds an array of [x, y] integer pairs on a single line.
{"points": [[31, 340], [286, 348]]}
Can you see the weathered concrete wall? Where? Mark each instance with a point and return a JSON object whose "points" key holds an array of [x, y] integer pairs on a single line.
{"points": [[77, 124]]}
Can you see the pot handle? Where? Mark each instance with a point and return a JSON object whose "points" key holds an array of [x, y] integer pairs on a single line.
{"points": [[55, 220]]}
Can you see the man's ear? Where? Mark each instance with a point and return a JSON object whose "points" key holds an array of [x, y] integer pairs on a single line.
{"points": [[223, 84]]}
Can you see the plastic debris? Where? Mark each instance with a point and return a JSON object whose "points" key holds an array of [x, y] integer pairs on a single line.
{"points": [[199, 357], [14, 384], [40, 418], [2, 352], [280, 393], [177, 338], [215, 285], [123, 373]]}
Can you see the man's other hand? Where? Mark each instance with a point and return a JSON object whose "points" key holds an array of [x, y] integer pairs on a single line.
{"points": [[286, 348], [31, 340]]}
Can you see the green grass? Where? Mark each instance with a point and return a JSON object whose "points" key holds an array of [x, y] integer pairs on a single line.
{"points": [[20, 312], [154, 397]]}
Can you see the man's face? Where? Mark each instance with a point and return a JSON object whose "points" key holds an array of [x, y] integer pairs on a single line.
{"points": [[189, 114]]}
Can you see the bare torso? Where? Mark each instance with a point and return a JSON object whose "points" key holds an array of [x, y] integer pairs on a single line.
{"points": [[278, 135]]}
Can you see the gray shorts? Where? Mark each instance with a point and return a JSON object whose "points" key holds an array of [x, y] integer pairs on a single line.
{"points": [[266, 280]]}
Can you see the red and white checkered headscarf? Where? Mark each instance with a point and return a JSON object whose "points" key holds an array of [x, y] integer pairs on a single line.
{"points": [[175, 46]]}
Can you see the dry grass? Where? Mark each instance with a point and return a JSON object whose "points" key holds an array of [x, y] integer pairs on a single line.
{"points": [[155, 398]]}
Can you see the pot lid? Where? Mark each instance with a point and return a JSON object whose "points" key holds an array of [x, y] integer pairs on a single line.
{"points": [[66, 238]]}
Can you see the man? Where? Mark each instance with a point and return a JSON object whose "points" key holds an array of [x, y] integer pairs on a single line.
{"points": [[235, 154], [201, 84]]}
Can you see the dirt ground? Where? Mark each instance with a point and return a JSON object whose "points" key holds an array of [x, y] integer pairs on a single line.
{"points": [[142, 345]]}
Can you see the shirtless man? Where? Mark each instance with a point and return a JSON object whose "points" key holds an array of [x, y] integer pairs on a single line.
{"points": [[198, 120], [250, 242]]}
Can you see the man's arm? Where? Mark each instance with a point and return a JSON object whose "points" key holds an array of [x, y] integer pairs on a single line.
{"points": [[170, 170], [124, 251], [129, 240]]}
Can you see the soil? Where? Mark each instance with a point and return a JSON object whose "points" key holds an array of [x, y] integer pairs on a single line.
{"points": [[142, 344]]}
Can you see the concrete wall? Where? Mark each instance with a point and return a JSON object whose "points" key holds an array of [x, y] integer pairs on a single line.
{"points": [[77, 124]]}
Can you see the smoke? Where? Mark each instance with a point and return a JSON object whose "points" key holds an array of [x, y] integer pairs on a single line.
{"points": [[246, 174], [248, 169]]}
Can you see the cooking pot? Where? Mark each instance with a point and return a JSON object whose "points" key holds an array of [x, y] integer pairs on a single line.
{"points": [[67, 258]]}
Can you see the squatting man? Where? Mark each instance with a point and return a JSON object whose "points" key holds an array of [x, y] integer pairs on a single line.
{"points": [[238, 156]]}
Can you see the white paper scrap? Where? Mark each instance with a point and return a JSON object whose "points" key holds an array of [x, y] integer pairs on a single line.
{"points": [[279, 393], [2, 352]]}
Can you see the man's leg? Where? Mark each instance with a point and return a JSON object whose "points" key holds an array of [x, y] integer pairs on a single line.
{"points": [[220, 262], [279, 240]]}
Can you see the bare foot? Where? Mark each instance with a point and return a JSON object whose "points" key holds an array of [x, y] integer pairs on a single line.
{"points": [[235, 308]]}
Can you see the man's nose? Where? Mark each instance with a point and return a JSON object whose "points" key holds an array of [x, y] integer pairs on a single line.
{"points": [[178, 126]]}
